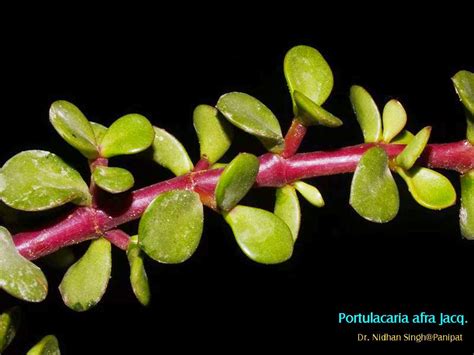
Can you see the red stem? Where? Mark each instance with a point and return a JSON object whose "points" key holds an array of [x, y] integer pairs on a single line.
{"points": [[118, 238], [87, 223], [293, 138]]}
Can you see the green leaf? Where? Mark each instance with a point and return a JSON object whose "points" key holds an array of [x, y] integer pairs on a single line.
{"points": [[170, 153], [73, 127], [308, 72], [60, 259], [113, 180], [85, 282], [252, 116], [138, 276], [429, 188], [310, 193], [47, 346], [394, 120], [367, 114], [236, 180], [309, 113], [130, 134], [404, 137], [36, 180], [171, 227], [99, 131], [287, 207], [464, 85], [374, 194], [218, 165], [466, 214], [9, 323], [262, 236], [407, 158], [18, 276], [214, 133]]}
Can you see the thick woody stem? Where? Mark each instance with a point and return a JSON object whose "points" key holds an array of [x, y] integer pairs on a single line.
{"points": [[87, 223]]}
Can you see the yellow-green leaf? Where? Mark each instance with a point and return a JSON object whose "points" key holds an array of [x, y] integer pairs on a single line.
{"points": [[18, 276], [466, 214], [171, 227], [9, 323], [36, 180], [429, 188], [47, 346], [85, 282], [130, 134], [236, 180], [310, 193], [138, 276], [367, 114], [407, 158], [394, 119], [170, 153], [113, 180], [374, 194], [73, 127], [262, 236], [464, 85], [287, 207], [213, 131], [310, 113], [404, 137], [99, 131]]}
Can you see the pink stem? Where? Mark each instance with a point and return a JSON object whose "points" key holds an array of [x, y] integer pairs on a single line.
{"points": [[86, 223], [118, 238], [293, 138]]}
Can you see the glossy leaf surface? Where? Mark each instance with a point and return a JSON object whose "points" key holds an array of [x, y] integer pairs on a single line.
{"points": [[464, 84], [394, 119], [170, 153], [138, 276], [312, 114], [113, 180], [367, 114], [287, 207], [47, 346], [407, 158], [310, 193]]}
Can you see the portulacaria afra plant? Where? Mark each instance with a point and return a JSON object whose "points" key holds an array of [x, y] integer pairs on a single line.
{"points": [[171, 212]]}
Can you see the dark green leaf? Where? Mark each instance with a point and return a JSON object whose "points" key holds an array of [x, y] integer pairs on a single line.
{"points": [[37, 180], [18, 276], [309, 113], [170, 153], [367, 114], [236, 180], [73, 127], [310, 193], [374, 194], [214, 132], [287, 207], [47, 346], [394, 120], [138, 276], [466, 214], [262, 236], [85, 282], [464, 84], [250, 115], [9, 323], [429, 188], [308, 72], [171, 227], [113, 180], [130, 134], [407, 158]]}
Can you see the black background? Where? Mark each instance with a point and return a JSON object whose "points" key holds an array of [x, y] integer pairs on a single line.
{"points": [[219, 300]]}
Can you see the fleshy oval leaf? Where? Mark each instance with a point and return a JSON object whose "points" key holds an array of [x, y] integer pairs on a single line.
{"points": [[18, 276], [374, 193], [236, 180], [310, 113], [170, 153], [171, 227], [130, 134], [464, 85], [73, 127], [213, 131], [429, 188], [308, 72], [113, 180], [9, 323], [367, 114], [404, 137], [407, 158], [394, 118], [310, 193], [287, 207], [466, 214], [47, 346], [36, 180], [138, 276], [262, 236], [252, 116], [99, 131], [86, 280]]}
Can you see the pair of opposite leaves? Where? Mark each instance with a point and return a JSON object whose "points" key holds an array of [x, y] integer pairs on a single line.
{"points": [[9, 324]]}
